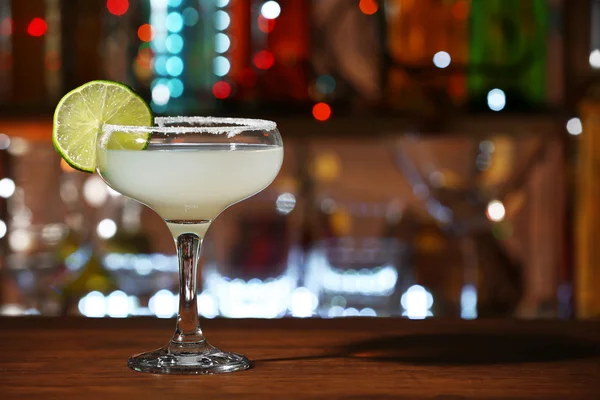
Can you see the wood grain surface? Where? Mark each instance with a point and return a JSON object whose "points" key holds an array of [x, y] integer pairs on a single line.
{"points": [[358, 358]]}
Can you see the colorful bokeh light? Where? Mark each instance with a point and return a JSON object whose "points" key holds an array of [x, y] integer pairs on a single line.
{"points": [[265, 25], [146, 33], [264, 60], [221, 90], [321, 111], [37, 27], [368, 7], [117, 7]]}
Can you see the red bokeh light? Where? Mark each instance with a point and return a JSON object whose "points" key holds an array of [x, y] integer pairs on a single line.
{"points": [[145, 58], [117, 7], [265, 25], [321, 111], [221, 90], [6, 27], [37, 27], [264, 59], [146, 33], [368, 7]]}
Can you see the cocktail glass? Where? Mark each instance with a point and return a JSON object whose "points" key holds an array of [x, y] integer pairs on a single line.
{"points": [[190, 171]]}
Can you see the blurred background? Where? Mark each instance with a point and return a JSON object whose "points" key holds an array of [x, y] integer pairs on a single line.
{"points": [[442, 157]]}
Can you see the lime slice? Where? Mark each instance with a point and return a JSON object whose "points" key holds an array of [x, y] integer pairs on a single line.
{"points": [[80, 114]]}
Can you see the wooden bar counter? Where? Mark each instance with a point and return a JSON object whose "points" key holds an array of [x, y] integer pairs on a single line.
{"points": [[356, 358]]}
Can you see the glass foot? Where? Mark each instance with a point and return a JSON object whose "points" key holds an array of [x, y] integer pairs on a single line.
{"points": [[188, 358]]}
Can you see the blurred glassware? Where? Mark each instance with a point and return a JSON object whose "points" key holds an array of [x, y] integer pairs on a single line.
{"points": [[360, 259], [250, 270], [474, 199], [358, 276]]}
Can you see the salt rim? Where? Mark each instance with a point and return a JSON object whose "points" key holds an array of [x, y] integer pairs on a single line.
{"points": [[237, 126], [249, 124]]}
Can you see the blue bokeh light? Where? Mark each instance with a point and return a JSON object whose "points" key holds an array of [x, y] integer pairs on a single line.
{"points": [[221, 20], [174, 22], [190, 16], [176, 87], [221, 66], [325, 84], [222, 43], [174, 66], [174, 43], [160, 65]]}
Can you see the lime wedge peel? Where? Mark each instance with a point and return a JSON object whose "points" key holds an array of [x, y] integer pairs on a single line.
{"points": [[80, 114]]}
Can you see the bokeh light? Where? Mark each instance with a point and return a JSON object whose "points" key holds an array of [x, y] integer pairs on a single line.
{"points": [[190, 16], [106, 228], [325, 84], [174, 66], [221, 20], [93, 305], [161, 94], [495, 211], [222, 43], [270, 10], [496, 100], [174, 43], [265, 25], [7, 187], [146, 33], [441, 59], [221, 90], [417, 302], [117, 7], [321, 111], [368, 7], [37, 27], [94, 191], [221, 66], [174, 22], [264, 60], [574, 126], [595, 59], [175, 87], [285, 203], [160, 65], [4, 141]]}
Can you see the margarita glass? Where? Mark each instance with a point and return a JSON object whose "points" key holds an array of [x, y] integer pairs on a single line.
{"points": [[189, 171]]}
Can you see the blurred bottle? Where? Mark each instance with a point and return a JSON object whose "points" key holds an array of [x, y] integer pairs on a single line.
{"points": [[587, 217], [508, 51], [427, 44], [5, 171], [30, 54], [346, 54], [92, 278], [129, 238], [270, 52], [83, 271]]}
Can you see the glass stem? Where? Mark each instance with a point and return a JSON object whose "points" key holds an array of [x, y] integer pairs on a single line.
{"points": [[188, 325]]}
